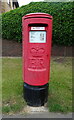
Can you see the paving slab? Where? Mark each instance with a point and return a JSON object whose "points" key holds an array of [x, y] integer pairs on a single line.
{"points": [[40, 115], [38, 112]]}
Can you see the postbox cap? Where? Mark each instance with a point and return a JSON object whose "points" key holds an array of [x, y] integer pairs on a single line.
{"points": [[35, 15]]}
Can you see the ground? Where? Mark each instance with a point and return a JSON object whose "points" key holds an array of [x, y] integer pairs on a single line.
{"points": [[60, 91]]}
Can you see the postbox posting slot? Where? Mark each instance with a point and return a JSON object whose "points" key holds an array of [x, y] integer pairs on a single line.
{"points": [[38, 24]]}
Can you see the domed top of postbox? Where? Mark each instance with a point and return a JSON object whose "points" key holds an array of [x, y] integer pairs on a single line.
{"points": [[35, 15]]}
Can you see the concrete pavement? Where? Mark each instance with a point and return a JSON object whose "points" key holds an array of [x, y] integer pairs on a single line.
{"points": [[38, 112], [40, 115]]}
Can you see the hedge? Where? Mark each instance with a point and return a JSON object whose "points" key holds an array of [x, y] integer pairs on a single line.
{"points": [[62, 21]]}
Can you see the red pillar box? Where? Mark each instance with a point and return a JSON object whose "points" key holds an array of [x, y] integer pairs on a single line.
{"points": [[37, 36]]}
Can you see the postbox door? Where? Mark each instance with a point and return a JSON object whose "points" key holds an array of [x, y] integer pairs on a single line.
{"points": [[37, 54]]}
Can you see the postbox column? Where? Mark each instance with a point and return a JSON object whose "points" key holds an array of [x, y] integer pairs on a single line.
{"points": [[37, 34]]}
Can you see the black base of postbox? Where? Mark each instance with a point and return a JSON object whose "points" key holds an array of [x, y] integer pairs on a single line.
{"points": [[35, 95]]}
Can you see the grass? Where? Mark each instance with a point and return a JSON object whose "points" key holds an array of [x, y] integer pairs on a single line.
{"points": [[12, 85], [60, 85]]}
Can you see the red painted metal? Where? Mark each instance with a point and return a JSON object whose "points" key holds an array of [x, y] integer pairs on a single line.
{"points": [[36, 56]]}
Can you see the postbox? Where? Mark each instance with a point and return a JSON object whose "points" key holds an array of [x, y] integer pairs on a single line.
{"points": [[37, 36]]}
